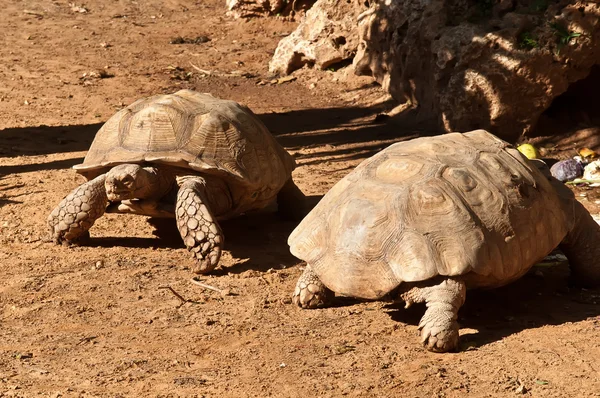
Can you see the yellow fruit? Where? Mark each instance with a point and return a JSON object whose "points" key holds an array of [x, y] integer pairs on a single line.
{"points": [[529, 151], [587, 153]]}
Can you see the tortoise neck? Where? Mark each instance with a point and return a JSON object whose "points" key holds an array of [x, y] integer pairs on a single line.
{"points": [[159, 181]]}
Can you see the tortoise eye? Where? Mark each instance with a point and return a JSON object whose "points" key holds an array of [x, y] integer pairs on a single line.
{"points": [[127, 180], [254, 195]]}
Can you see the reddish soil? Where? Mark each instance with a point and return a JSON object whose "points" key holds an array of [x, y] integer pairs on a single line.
{"points": [[97, 320]]}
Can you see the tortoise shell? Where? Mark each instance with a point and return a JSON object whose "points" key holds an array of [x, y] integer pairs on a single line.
{"points": [[193, 131], [457, 204]]}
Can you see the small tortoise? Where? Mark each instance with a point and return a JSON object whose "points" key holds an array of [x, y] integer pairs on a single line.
{"points": [[431, 217], [188, 155]]}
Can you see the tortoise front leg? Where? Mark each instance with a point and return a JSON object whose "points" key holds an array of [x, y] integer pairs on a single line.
{"points": [[439, 329], [76, 214], [310, 292], [197, 225], [582, 248]]}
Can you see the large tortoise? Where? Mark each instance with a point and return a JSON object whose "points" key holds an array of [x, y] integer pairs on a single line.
{"points": [[188, 155], [430, 217]]}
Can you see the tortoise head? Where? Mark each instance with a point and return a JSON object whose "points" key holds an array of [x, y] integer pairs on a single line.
{"points": [[127, 181]]}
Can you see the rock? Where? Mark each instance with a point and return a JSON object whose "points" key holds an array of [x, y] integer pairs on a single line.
{"points": [[567, 170], [326, 36], [495, 65], [468, 71], [249, 8], [255, 8]]}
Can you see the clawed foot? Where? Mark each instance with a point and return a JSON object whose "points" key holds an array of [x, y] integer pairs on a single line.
{"points": [[203, 238], [310, 292], [439, 335], [81, 240], [438, 326], [207, 252], [199, 231]]}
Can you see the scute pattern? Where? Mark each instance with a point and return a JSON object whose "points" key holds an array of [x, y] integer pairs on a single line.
{"points": [[446, 205], [394, 171], [196, 131]]}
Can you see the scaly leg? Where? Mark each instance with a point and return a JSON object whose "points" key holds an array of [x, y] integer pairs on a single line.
{"points": [[197, 225], [310, 292], [439, 329], [76, 214], [582, 248]]}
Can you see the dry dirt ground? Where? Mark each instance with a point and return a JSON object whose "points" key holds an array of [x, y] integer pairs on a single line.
{"points": [[96, 321]]}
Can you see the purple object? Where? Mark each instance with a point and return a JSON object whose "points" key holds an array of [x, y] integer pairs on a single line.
{"points": [[567, 170]]}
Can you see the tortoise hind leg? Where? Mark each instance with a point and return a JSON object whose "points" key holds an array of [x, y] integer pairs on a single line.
{"points": [[197, 225], [291, 202], [439, 329], [77, 212], [310, 292], [582, 248]]}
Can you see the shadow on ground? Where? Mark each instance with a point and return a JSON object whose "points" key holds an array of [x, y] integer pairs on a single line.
{"points": [[529, 303], [330, 131], [255, 235], [44, 140]]}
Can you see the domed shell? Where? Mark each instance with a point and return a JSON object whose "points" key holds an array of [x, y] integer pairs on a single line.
{"points": [[195, 131], [457, 204]]}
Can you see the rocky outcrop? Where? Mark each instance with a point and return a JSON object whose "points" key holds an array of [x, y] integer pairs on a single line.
{"points": [[327, 35], [253, 8], [257, 8], [467, 64]]}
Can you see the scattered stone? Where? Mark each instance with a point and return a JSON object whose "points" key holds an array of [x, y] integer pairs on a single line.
{"points": [[79, 9], [185, 40], [97, 74]]}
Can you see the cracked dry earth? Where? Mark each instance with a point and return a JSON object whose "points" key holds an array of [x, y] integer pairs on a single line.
{"points": [[101, 320]]}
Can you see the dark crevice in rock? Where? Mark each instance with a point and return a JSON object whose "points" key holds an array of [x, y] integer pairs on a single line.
{"points": [[339, 64], [577, 108]]}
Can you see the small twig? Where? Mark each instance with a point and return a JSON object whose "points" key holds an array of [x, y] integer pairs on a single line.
{"points": [[223, 292], [84, 340], [206, 72], [29, 12], [179, 296]]}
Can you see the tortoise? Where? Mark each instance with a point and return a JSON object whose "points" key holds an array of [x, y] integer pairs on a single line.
{"points": [[425, 219], [187, 155]]}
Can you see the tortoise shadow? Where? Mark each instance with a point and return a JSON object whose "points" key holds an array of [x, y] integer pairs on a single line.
{"points": [[329, 131], [529, 303], [132, 242], [44, 140], [258, 241], [27, 168]]}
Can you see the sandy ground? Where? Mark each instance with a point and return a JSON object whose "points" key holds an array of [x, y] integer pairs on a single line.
{"points": [[99, 320]]}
